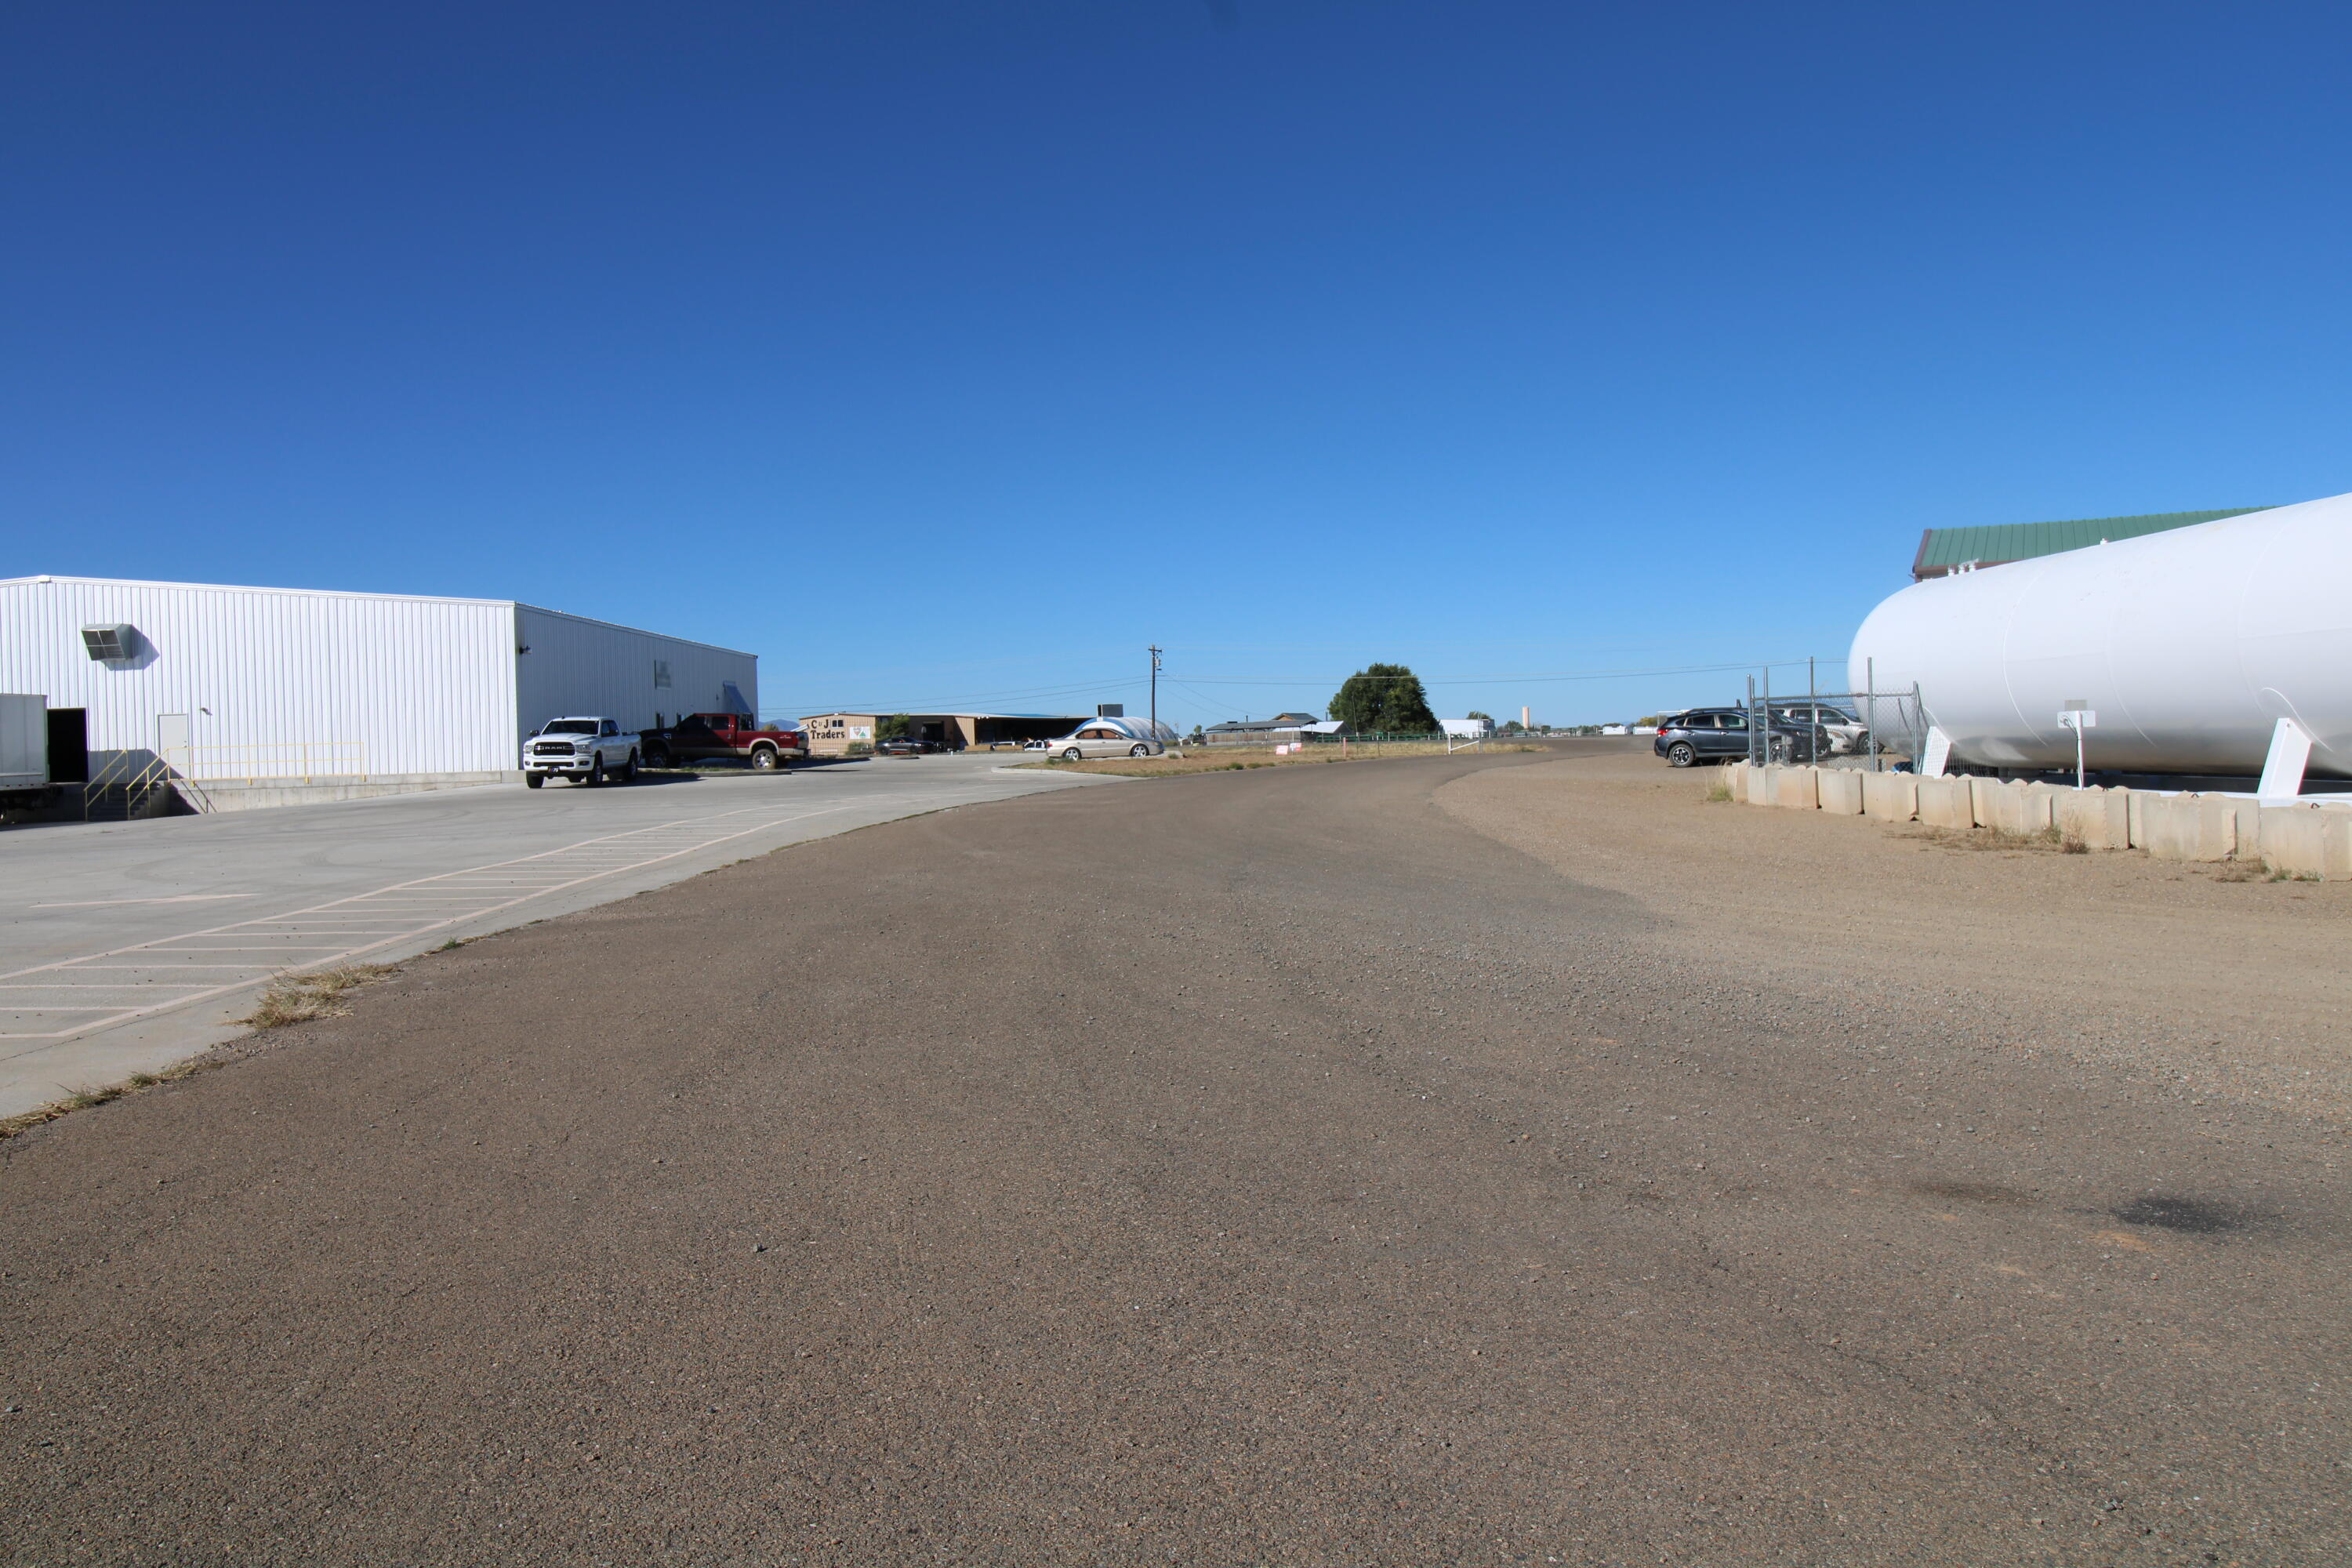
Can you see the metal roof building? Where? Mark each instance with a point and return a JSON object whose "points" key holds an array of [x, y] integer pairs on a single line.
{"points": [[244, 683], [1945, 550]]}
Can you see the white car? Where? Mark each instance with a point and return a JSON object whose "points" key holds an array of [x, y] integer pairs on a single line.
{"points": [[1113, 738], [584, 750]]}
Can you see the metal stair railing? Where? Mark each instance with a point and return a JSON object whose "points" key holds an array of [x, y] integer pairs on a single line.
{"points": [[136, 780]]}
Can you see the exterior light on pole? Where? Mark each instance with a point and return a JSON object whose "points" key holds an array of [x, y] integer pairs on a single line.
{"points": [[1154, 650]]}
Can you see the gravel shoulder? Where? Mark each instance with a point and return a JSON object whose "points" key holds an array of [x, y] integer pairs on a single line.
{"points": [[2227, 990]]}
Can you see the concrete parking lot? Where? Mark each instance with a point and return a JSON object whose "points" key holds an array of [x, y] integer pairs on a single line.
{"points": [[126, 946]]}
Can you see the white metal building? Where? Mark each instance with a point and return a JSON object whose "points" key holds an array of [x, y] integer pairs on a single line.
{"points": [[242, 682]]}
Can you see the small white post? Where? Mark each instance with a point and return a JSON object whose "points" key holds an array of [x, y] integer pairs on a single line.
{"points": [[2283, 769]]}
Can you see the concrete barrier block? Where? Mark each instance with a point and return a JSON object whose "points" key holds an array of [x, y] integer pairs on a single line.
{"points": [[1890, 798], [1798, 789], [2184, 827], [2308, 841], [1983, 799], [2097, 818], [2163, 824], [2011, 808], [2213, 833], [1735, 780], [1947, 803], [1759, 785], [1841, 791], [2246, 815], [2295, 840]]}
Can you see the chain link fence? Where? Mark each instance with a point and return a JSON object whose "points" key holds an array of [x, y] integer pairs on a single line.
{"points": [[1874, 730]]}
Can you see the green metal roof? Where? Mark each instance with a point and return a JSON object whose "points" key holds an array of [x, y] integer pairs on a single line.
{"points": [[1940, 549]]}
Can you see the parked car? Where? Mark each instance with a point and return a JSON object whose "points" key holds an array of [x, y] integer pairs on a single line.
{"points": [[1846, 733], [1721, 734], [586, 751], [906, 746], [1114, 738], [710, 737]]}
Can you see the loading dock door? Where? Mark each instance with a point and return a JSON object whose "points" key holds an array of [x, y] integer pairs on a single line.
{"points": [[69, 745]]}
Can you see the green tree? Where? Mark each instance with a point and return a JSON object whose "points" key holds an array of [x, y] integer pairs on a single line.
{"points": [[896, 727], [1473, 714], [1384, 698]]}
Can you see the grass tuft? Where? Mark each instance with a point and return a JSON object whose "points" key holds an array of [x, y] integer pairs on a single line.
{"points": [[85, 1098], [297, 998]]}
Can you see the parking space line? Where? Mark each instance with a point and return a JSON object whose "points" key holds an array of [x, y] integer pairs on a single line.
{"points": [[505, 889]]}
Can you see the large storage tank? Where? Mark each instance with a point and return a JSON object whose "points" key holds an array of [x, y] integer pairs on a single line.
{"points": [[2189, 645]]}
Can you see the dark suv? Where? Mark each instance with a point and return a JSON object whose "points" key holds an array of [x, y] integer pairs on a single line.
{"points": [[1721, 734]]}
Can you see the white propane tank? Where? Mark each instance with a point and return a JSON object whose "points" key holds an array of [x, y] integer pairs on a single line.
{"points": [[2188, 646]]}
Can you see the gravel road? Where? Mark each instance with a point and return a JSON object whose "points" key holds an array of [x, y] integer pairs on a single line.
{"points": [[1349, 1165]]}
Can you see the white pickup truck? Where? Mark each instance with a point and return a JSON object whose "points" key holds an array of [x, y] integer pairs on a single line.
{"points": [[585, 750]]}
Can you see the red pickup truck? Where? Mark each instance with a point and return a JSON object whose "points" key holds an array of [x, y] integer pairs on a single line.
{"points": [[707, 737]]}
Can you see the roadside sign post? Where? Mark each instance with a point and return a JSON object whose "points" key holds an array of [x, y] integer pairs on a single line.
{"points": [[2078, 716]]}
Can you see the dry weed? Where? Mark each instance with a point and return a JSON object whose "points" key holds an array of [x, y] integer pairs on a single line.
{"points": [[83, 1099], [297, 998]]}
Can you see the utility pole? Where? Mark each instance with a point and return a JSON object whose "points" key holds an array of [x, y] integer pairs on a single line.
{"points": [[1154, 650]]}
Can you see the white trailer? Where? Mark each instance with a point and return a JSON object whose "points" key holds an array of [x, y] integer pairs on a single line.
{"points": [[2190, 646], [25, 750]]}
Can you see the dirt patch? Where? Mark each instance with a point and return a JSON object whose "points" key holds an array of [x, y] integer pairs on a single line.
{"points": [[2220, 982]]}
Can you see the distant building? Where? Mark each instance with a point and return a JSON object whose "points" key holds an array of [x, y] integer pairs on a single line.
{"points": [[1283, 728], [1948, 550]]}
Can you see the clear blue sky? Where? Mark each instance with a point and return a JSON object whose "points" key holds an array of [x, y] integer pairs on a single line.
{"points": [[951, 352]]}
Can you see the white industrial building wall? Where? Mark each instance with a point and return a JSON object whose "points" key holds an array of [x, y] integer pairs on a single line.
{"points": [[579, 666], [412, 685]]}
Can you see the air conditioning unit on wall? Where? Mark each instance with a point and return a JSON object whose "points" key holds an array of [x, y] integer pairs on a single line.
{"points": [[110, 643]]}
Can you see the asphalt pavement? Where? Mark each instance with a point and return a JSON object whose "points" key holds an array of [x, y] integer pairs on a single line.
{"points": [[1250, 1168]]}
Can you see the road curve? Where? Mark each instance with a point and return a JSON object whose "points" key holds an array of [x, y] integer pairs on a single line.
{"points": [[1256, 1167]]}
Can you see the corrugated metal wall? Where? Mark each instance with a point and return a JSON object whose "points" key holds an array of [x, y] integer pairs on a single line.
{"points": [[422, 686], [579, 666]]}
